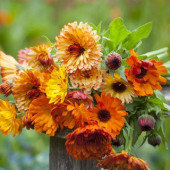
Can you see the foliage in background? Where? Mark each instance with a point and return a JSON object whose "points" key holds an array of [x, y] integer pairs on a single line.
{"points": [[30, 19]]}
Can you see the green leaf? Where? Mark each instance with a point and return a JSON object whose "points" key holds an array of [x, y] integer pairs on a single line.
{"points": [[48, 40], [118, 32], [137, 35], [160, 96], [136, 133]]}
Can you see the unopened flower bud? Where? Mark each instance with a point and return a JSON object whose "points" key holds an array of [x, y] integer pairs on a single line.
{"points": [[118, 141], [113, 61], [154, 140], [146, 122]]}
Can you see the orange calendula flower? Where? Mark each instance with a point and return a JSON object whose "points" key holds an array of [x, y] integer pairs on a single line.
{"points": [[5, 88], [109, 113], [124, 161], [118, 87], [89, 142], [26, 88], [8, 121], [86, 80], [77, 47], [9, 67], [40, 57], [79, 112], [40, 112], [56, 87], [27, 122], [5, 18], [145, 75]]}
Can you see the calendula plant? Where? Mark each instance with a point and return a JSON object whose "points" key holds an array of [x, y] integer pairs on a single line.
{"points": [[93, 82]]}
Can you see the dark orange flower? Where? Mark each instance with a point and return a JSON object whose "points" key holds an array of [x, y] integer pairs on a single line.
{"points": [[5, 18], [109, 113], [26, 88], [89, 142], [79, 112], [5, 88], [40, 113], [123, 161], [27, 122], [145, 75]]}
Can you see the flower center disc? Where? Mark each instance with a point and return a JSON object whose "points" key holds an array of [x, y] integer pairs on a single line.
{"points": [[142, 74], [76, 49], [104, 115], [119, 87]]}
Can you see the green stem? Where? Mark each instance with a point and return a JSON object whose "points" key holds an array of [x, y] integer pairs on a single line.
{"points": [[129, 146]]}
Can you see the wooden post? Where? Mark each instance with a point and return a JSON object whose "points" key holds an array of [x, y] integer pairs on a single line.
{"points": [[60, 160]]}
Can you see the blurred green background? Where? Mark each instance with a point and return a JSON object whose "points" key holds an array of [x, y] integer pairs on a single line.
{"points": [[22, 24]]}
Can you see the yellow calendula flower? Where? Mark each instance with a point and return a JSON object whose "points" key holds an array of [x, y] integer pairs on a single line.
{"points": [[56, 89], [118, 87], [8, 121]]}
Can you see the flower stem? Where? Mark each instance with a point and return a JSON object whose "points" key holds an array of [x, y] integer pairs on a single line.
{"points": [[129, 146]]}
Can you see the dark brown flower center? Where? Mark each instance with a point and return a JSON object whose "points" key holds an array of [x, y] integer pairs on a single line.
{"points": [[75, 49], [33, 93], [142, 74], [86, 74], [104, 115], [119, 87]]}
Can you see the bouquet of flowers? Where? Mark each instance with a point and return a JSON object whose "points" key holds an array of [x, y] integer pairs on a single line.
{"points": [[93, 82]]}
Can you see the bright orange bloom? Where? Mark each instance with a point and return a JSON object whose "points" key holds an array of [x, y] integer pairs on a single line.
{"points": [[9, 67], [89, 142], [26, 88], [87, 80], [5, 88], [40, 57], [109, 113], [124, 161], [77, 47], [79, 113], [40, 112], [8, 120], [145, 75]]}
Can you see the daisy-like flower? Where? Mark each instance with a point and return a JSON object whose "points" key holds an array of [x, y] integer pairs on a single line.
{"points": [[40, 57], [89, 142], [124, 161], [40, 112], [145, 75], [26, 88], [119, 88], [109, 113], [87, 80], [8, 120], [77, 47], [8, 66], [56, 89]]}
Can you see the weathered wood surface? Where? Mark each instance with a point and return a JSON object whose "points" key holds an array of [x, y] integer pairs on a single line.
{"points": [[60, 160]]}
